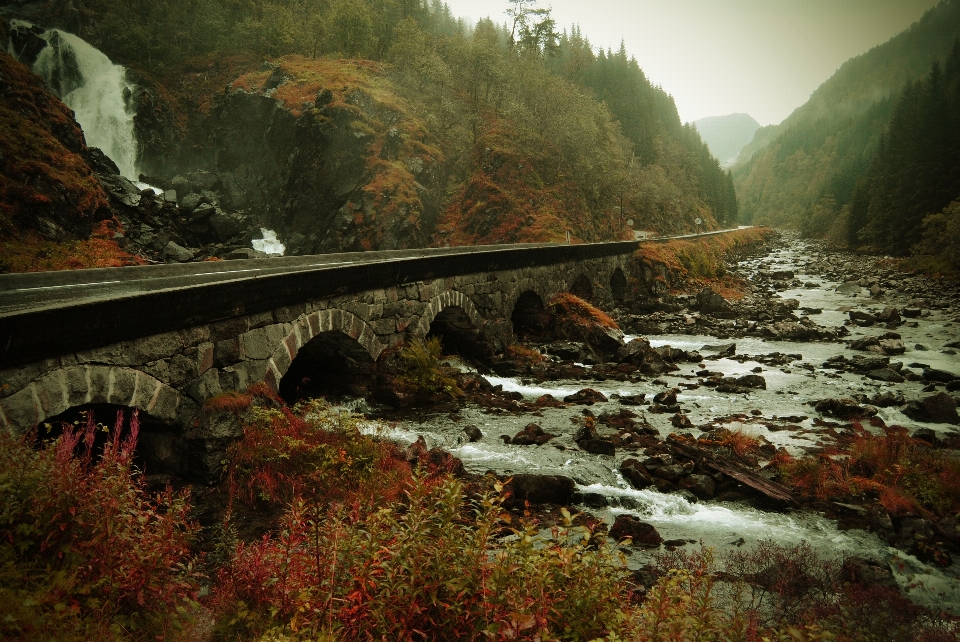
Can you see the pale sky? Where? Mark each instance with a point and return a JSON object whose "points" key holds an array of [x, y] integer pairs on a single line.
{"points": [[718, 57]]}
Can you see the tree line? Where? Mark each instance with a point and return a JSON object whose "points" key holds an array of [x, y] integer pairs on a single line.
{"points": [[610, 129]]}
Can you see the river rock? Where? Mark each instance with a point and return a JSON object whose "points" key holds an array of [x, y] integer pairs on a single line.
{"points": [[598, 446], [886, 374], [844, 408], [932, 374], [633, 400], [586, 397], [940, 408], [641, 533], [680, 420], [566, 350], [633, 352], [858, 570], [848, 288], [702, 486], [542, 489], [711, 303], [671, 472], [722, 350], [667, 397], [887, 399], [636, 473], [473, 434]]}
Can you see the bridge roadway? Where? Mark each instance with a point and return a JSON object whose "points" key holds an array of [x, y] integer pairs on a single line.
{"points": [[48, 313]]}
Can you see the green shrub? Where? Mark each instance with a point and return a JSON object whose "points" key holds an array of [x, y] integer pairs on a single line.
{"points": [[421, 371]]}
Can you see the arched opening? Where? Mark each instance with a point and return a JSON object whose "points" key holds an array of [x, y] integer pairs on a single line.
{"points": [[330, 364], [618, 286], [458, 334], [530, 318], [582, 287], [160, 447]]}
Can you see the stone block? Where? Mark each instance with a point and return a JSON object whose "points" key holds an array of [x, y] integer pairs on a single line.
{"points": [[165, 406], [123, 384], [51, 392], [228, 328], [158, 346], [260, 320], [204, 357], [99, 377], [262, 342], [249, 372], [194, 335], [75, 381], [384, 326], [281, 359], [229, 379], [205, 386], [226, 352], [158, 369], [182, 369], [115, 354], [21, 410], [288, 314], [147, 388]]}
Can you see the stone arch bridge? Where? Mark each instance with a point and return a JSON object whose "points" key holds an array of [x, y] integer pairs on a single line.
{"points": [[163, 339]]}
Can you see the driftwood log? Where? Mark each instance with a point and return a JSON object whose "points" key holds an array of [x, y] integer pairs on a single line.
{"points": [[770, 489]]}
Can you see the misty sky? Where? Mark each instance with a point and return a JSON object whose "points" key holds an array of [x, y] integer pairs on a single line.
{"points": [[717, 57]]}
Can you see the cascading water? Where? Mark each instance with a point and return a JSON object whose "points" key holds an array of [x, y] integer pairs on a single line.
{"points": [[98, 92]]}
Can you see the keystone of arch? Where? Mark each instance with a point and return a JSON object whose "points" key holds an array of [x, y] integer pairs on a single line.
{"points": [[59, 390]]}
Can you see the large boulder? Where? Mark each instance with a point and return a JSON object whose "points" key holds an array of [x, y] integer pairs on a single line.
{"points": [[642, 533], [636, 473], [542, 489], [940, 408]]}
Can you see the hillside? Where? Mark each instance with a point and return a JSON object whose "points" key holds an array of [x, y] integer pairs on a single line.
{"points": [[727, 135], [814, 158], [358, 125]]}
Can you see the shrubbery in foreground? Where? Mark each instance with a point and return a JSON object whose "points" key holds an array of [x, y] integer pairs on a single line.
{"points": [[367, 549], [85, 552]]}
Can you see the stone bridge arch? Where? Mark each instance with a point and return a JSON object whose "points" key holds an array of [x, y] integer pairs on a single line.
{"points": [[442, 301], [317, 326], [63, 389]]}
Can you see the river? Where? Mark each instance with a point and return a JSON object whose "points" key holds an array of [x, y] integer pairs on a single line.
{"points": [[782, 413]]}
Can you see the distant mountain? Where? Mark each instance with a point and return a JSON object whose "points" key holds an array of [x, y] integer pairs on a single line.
{"points": [[727, 135], [814, 158]]}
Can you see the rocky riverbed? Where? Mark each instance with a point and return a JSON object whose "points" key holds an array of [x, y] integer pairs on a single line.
{"points": [[645, 433]]}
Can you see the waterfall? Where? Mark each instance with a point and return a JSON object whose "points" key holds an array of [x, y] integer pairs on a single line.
{"points": [[98, 92]]}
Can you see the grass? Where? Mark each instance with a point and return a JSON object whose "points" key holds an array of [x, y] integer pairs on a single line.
{"points": [[902, 474], [700, 262]]}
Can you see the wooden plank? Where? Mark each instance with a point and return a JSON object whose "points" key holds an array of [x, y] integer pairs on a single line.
{"points": [[770, 489]]}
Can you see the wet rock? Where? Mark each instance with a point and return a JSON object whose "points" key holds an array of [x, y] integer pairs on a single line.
{"points": [[928, 435], [636, 473], [887, 399], [542, 489], [633, 352], [633, 400], [587, 397], [844, 408], [722, 350], [598, 446], [848, 288], [641, 533], [672, 472], [566, 350], [711, 303], [531, 435], [473, 434], [548, 401], [940, 408], [680, 420], [416, 451], [858, 570], [667, 397], [702, 486], [862, 318], [886, 374], [932, 374]]}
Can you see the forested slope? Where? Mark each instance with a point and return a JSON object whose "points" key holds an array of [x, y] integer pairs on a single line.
{"points": [[504, 133], [806, 173]]}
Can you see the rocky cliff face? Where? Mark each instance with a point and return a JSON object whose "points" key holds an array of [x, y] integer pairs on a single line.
{"points": [[344, 167]]}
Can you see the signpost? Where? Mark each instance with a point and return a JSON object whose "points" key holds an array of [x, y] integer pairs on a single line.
{"points": [[699, 222]]}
